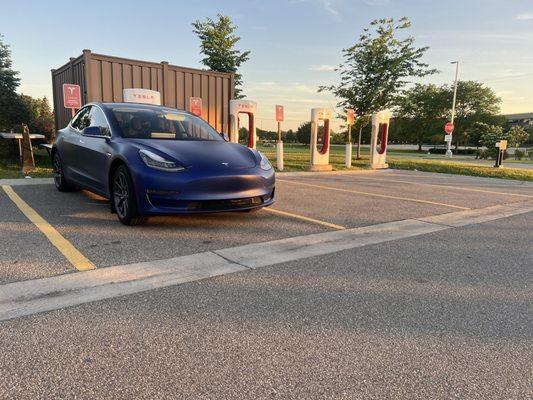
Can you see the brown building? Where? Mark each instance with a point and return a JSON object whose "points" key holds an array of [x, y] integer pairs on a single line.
{"points": [[102, 78]]}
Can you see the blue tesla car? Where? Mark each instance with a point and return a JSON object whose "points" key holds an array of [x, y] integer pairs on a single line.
{"points": [[152, 160]]}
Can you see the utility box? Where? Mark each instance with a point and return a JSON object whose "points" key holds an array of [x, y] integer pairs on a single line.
{"points": [[102, 78]]}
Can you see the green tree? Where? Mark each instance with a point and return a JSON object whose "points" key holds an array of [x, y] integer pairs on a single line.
{"points": [[491, 135], [475, 103], [10, 106], [303, 133], [377, 67], [37, 114], [290, 136], [475, 132], [243, 135], [218, 40], [422, 112], [517, 135]]}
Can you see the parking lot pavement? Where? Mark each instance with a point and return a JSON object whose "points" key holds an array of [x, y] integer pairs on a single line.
{"points": [[306, 204], [24, 252], [454, 181], [85, 220], [443, 315]]}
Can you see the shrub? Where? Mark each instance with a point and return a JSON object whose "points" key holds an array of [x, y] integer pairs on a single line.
{"points": [[519, 154], [442, 150]]}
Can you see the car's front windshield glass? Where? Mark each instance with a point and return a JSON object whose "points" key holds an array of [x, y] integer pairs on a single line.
{"points": [[165, 124]]}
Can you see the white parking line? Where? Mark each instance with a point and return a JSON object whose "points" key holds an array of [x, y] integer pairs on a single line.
{"points": [[304, 218], [445, 186], [386, 196]]}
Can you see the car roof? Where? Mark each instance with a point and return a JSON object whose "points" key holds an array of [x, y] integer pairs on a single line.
{"points": [[137, 105]]}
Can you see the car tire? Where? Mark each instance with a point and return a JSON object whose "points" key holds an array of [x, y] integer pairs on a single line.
{"points": [[60, 182], [123, 198]]}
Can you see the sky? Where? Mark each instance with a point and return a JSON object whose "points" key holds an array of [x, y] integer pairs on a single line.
{"points": [[295, 44]]}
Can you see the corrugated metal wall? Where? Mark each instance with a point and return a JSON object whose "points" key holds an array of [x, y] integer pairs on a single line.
{"points": [[102, 78]]}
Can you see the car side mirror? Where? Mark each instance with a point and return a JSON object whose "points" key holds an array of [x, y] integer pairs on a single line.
{"points": [[225, 136], [94, 131]]}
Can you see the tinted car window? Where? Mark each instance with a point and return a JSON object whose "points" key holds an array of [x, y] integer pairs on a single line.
{"points": [[166, 124], [97, 118], [82, 120]]}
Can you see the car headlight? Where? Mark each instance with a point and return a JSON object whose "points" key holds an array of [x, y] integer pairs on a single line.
{"points": [[265, 164], [155, 161]]}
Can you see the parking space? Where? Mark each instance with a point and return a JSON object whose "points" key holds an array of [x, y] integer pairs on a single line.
{"points": [[306, 204], [24, 251]]}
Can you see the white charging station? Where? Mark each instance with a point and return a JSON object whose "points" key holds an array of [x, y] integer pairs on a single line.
{"points": [[249, 108], [379, 138], [320, 156]]}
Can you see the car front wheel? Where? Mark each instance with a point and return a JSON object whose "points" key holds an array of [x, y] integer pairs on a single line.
{"points": [[124, 198], [59, 175]]}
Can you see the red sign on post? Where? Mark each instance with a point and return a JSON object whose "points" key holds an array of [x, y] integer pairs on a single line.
{"points": [[279, 113], [448, 128], [350, 116], [71, 95], [195, 106]]}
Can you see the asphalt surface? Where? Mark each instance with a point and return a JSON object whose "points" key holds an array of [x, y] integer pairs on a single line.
{"points": [[85, 221], [444, 315], [24, 251]]}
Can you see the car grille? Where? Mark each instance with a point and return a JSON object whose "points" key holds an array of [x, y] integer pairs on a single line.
{"points": [[208, 205]]}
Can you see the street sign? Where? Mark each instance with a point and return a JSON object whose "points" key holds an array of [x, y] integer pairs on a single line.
{"points": [[195, 106], [71, 96], [350, 116], [279, 113], [447, 138], [502, 144], [448, 128]]}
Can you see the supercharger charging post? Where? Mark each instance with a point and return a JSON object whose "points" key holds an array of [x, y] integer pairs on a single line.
{"points": [[320, 157], [350, 119], [237, 107], [380, 134], [279, 143]]}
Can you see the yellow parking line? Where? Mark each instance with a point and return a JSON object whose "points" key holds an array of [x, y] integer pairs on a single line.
{"points": [[303, 218], [374, 194], [446, 186], [78, 260]]}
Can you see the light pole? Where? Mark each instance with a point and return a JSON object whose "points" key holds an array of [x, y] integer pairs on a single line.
{"points": [[449, 142]]}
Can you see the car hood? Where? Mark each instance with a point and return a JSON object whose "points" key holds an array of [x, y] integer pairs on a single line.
{"points": [[201, 155]]}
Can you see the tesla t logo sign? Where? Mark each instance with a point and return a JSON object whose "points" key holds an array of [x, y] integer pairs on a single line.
{"points": [[350, 116], [71, 96], [195, 106], [279, 113], [144, 96]]}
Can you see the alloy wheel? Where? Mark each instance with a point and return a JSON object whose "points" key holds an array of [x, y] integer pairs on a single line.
{"points": [[57, 171], [121, 194]]}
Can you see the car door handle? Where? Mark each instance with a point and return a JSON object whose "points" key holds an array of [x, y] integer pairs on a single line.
{"points": [[81, 141]]}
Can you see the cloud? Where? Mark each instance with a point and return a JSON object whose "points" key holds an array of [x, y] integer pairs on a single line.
{"points": [[525, 16], [323, 67], [327, 5], [373, 3]]}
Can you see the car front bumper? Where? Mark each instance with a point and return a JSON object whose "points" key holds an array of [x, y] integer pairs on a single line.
{"points": [[190, 191]]}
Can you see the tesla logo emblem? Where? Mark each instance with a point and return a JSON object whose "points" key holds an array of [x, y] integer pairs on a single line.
{"points": [[225, 163]]}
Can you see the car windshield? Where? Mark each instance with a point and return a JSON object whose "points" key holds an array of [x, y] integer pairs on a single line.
{"points": [[165, 124]]}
